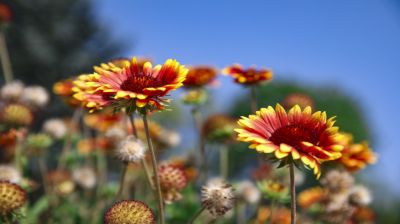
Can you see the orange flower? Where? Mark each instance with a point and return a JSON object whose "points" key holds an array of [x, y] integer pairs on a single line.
{"points": [[133, 86], [296, 136], [310, 196], [356, 156], [102, 121], [249, 76], [64, 89], [200, 76], [302, 100]]}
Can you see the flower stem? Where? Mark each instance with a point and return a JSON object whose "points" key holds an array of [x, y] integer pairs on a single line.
{"points": [[122, 180], [201, 144], [224, 161], [156, 177], [43, 172], [292, 194], [253, 99], [5, 59], [196, 215], [143, 161]]}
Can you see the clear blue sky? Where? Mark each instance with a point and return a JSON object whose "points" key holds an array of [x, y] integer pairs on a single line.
{"points": [[350, 44]]}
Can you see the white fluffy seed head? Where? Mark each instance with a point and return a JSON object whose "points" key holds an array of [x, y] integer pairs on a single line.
{"points": [[10, 173], [131, 149], [36, 96], [115, 133], [248, 192], [217, 197], [12, 91], [170, 138], [360, 196], [337, 181], [84, 177], [55, 127]]}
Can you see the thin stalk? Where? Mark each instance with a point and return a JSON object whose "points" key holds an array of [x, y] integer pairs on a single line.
{"points": [[240, 213], [156, 177], [147, 173], [253, 99], [143, 161], [67, 147], [122, 180], [201, 144], [196, 215], [5, 59], [224, 161], [18, 156], [43, 172], [292, 195]]}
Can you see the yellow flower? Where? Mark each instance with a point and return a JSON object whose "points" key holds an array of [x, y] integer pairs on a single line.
{"points": [[249, 76], [296, 136], [129, 84]]}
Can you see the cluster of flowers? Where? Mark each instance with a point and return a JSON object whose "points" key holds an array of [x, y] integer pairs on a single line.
{"points": [[106, 124]]}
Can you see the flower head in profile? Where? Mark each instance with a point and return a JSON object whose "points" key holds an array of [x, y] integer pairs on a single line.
{"points": [[356, 156], [131, 149], [172, 180], [248, 192], [15, 114], [217, 197], [273, 190], [12, 197], [200, 76], [55, 127], [102, 121], [311, 196], [10, 173], [35, 96], [130, 85], [60, 181], [85, 177], [63, 89], [249, 76], [129, 212], [219, 128], [302, 100], [12, 91], [294, 136]]}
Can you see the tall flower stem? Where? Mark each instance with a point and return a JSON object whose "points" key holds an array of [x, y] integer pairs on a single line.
{"points": [[122, 180], [143, 161], [154, 164], [43, 172], [253, 99], [292, 194], [224, 161], [5, 59], [67, 147], [196, 215], [201, 143]]}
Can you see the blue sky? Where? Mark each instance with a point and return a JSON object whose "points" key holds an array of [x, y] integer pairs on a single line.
{"points": [[350, 44]]}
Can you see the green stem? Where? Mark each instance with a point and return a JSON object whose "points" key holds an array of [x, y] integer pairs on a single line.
{"points": [[196, 215], [5, 59], [122, 180], [143, 161], [67, 147], [253, 99], [224, 161], [292, 195], [43, 172], [156, 177], [201, 144]]}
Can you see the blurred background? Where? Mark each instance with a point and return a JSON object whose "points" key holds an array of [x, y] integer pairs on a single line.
{"points": [[342, 53]]}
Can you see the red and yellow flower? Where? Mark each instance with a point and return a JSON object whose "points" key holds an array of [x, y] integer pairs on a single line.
{"points": [[310, 196], [249, 76], [102, 121], [64, 89], [356, 156], [296, 136], [130, 84], [200, 76]]}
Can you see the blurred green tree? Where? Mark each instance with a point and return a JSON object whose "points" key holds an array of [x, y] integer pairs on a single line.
{"points": [[51, 40]]}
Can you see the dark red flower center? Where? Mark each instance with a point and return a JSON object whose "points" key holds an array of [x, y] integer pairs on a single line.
{"points": [[136, 83], [293, 135]]}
